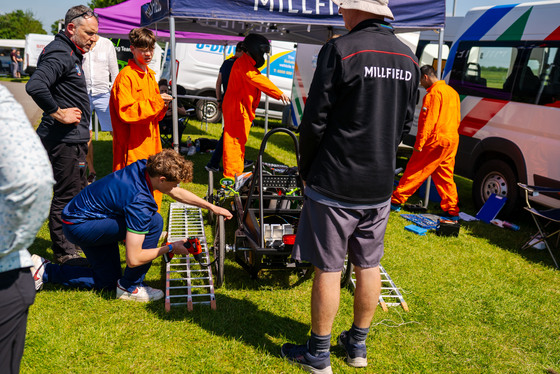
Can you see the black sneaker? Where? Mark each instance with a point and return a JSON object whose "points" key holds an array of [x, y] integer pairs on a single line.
{"points": [[211, 168], [299, 355], [71, 259], [356, 354]]}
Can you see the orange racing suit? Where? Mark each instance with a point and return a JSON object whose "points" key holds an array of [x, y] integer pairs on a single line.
{"points": [[435, 148], [240, 103], [136, 108]]}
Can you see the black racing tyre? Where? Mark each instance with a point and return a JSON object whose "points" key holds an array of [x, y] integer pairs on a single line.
{"points": [[346, 275], [496, 177], [219, 251], [208, 109], [254, 261]]}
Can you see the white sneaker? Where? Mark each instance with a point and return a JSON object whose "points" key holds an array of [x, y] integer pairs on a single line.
{"points": [[142, 293], [38, 269]]}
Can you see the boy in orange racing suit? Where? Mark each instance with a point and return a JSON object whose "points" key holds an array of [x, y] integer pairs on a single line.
{"points": [[436, 144], [241, 101], [136, 106]]}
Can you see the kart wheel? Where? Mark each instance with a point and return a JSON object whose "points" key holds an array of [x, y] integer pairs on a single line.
{"points": [[219, 251], [254, 261]]}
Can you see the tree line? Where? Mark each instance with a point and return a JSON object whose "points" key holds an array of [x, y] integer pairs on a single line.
{"points": [[17, 24]]}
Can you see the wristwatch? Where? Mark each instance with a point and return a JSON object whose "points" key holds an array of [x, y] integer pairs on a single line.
{"points": [[170, 248]]}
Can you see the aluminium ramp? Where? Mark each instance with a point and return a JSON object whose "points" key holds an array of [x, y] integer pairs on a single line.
{"points": [[188, 282], [390, 294]]}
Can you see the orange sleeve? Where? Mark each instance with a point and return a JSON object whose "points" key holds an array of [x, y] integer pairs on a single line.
{"points": [[263, 84], [428, 119], [137, 110]]}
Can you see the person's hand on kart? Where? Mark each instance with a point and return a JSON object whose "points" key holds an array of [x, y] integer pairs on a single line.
{"points": [[221, 211]]}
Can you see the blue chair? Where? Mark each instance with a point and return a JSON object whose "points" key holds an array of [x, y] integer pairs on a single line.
{"points": [[546, 220]]}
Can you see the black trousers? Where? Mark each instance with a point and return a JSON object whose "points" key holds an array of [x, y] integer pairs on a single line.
{"points": [[17, 293], [69, 168]]}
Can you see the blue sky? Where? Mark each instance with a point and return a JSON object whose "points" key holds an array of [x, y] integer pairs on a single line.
{"points": [[48, 11]]}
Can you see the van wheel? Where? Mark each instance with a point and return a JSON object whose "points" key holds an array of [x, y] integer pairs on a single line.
{"points": [[208, 109], [496, 177]]}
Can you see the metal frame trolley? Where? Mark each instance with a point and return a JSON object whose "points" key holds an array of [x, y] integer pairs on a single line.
{"points": [[266, 204]]}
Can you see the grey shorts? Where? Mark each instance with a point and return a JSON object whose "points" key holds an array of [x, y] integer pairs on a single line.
{"points": [[325, 233]]}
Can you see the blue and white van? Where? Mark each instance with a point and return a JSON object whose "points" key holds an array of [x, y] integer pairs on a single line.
{"points": [[505, 65]]}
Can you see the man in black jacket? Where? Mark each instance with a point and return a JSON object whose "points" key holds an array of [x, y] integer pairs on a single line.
{"points": [[59, 88], [360, 105]]}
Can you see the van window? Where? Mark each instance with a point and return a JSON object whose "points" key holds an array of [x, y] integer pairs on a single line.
{"points": [[495, 64], [544, 62], [484, 70], [526, 72]]}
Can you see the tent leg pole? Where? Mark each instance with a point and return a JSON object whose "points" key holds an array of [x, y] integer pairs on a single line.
{"points": [[174, 108]]}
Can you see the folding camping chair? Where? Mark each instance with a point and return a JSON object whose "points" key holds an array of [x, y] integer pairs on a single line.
{"points": [[547, 221], [166, 129]]}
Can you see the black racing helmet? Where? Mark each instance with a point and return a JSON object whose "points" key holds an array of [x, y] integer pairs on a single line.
{"points": [[256, 46]]}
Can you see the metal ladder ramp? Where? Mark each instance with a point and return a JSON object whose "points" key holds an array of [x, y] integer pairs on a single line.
{"points": [[187, 282], [390, 294]]}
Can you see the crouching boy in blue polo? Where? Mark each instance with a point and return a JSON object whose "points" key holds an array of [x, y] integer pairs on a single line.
{"points": [[118, 207]]}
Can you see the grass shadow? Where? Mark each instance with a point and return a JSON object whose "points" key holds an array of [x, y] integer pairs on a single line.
{"points": [[512, 241], [236, 278], [506, 239], [40, 247], [240, 319]]}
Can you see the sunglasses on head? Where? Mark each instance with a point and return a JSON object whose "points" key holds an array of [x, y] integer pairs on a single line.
{"points": [[86, 14]]}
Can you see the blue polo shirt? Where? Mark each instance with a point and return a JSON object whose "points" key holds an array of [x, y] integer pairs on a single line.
{"points": [[126, 193]]}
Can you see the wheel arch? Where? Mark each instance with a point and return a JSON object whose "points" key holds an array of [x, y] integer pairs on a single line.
{"points": [[496, 148], [206, 92]]}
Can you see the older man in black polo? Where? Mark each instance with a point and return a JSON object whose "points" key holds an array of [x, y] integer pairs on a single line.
{"points": [[58, 86]]}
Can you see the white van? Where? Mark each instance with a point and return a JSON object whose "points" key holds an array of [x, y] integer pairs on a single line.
{"points": [[428, 42], [34, 45], [505, 65], [199, 65]]}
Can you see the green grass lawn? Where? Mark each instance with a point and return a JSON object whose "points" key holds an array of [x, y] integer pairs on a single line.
{"points": [[25, 78], [477, 305], [494, 78]]}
